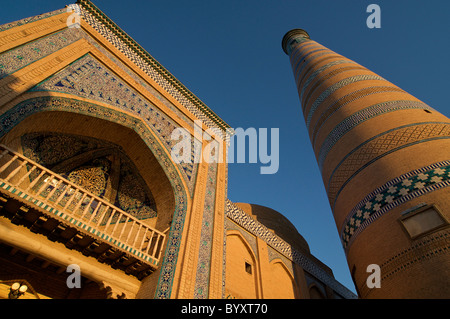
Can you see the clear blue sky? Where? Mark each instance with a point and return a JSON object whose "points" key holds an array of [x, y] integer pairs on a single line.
{"points": [[229, 54]]}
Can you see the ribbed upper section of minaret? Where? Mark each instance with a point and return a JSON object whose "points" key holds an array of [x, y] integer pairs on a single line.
{"points": [[372, 141]]}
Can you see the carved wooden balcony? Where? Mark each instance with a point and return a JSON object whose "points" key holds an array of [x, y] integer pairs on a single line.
{"points": [[45, 202]]}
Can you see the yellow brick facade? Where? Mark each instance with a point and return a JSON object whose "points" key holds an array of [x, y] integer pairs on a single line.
{"points": [[88, 178]]}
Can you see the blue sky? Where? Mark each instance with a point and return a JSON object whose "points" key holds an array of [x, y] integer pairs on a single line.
{"points": [[229, 54]]}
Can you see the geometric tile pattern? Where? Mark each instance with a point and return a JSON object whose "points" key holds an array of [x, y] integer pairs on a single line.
{"points": [[313, 65], [7, 26], [26, 108], [304, 41], [113, 34], [335, 87], [392, 194], [67, 155], [237, 215], [298, 68], [77, 223], [318, 71], [329, 75], [89, 78], [21, 56], [204, 258], [381, 145], [361, 116]]}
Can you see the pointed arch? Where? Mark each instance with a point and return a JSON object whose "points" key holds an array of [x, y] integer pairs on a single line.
{"points": [[70, 105], [241, 281], [282, 276]]}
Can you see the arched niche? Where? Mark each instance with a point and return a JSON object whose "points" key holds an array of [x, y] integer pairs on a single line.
{"points": [[242, 269], [282, 281], [130, 137]]}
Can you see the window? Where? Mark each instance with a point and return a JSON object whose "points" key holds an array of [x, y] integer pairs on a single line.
{"points": [[423, 220], [248, 268]]}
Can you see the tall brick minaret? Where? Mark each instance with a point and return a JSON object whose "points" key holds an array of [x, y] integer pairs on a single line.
{"points": [[384, 156]]}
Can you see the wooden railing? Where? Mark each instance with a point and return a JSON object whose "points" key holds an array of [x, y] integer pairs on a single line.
{"points": [[71, 203]]}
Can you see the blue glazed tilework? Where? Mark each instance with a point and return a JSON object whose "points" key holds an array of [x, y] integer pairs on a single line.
{"points": [[319, 71], [26, 108], [7, 26], [204, 260], [334, 88], [19, 57], [156, 74], [392, 194], [361, 116], [76, 222]]}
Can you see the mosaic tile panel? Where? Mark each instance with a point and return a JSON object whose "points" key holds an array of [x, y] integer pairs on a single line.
{"points": [[313, 65], [204, 258], [225, 234], [392, 194], [378, 147], [319, 71], [87, 162], [7, 26], [245, 221], [361, 116], [89, 78], [24, 109], [301, 61]]}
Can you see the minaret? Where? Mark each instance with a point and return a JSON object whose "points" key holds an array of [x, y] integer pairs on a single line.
{"points": [[384, 157]]}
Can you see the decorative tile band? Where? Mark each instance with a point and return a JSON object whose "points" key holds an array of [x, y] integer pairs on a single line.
{"points": [[325, 76], [341, 102], [318, 71], [334, 88], [18, 23], [305, 42], [26, 108], [392, 194], [380, 146], [298, 63], [256, 228], [142, 59], [89, 78], [361, 116], [201, 290], [304, 46], [430, 247], [297, 56]]}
